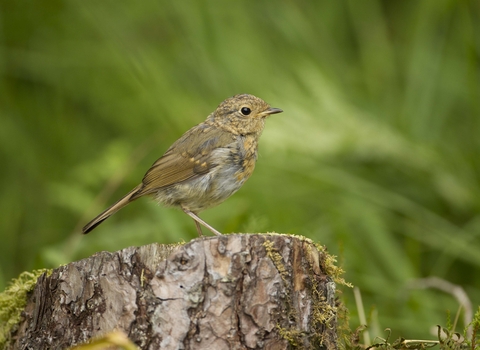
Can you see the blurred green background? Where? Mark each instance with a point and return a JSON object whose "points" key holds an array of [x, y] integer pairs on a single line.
{"points": [[377, 155]]}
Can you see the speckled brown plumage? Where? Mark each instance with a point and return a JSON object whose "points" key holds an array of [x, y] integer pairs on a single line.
{"points": [[205, 166]]}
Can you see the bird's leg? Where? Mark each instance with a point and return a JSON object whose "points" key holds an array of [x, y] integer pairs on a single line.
{"points": [[199, 228], [199, 221]]}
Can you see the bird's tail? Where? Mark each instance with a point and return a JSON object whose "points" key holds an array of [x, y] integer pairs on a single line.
{"points": [[111, 210]]}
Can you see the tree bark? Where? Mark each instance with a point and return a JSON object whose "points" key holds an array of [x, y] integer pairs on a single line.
{"points": [[231, 292]]}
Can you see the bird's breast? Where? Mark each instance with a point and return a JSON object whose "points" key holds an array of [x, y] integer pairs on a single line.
{"points": [[236, 162], [248, 158]]}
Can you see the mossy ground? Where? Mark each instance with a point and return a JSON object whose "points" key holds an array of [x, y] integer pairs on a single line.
{"points": [[13, 301]]}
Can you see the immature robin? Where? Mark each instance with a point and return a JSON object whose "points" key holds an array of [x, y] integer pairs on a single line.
{"points": [[208, 164]]}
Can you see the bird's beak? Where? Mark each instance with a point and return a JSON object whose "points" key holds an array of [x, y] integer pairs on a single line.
{"points": [[272, 110]]}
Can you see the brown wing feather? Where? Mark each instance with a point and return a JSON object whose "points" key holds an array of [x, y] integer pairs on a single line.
{"points": [[188, 157]]}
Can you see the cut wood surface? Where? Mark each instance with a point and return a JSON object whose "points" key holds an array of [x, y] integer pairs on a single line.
{"points": [[238, 291]]}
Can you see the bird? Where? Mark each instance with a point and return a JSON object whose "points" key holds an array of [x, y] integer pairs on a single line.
{"points": [[207, 164]]}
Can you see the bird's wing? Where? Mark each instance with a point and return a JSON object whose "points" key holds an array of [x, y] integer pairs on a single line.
{"points": [[188, 157]]}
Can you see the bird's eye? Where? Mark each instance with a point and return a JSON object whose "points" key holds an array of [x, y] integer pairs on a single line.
{"points": [[245, 110]]}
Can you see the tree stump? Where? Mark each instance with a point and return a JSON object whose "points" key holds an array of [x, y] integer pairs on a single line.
{"points": [[236, 291]]}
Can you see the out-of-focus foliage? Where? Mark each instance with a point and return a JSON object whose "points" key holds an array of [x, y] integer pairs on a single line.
{"points": [[377, 155]]}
